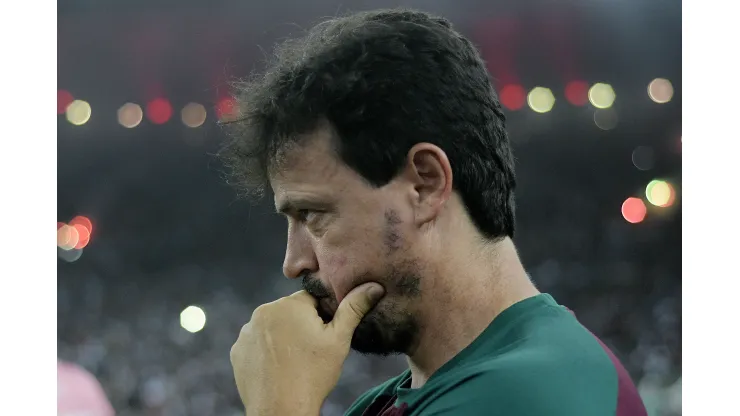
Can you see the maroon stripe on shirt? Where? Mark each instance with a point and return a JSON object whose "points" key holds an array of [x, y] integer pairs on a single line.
{"points": [[629, 402]]}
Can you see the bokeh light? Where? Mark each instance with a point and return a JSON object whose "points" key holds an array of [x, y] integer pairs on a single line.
{"points": [[634, 210], [576, 92], [193, 319], [660, 193], [84, 221], [159, 111], [660, 90], [84, 229], [63, 235], [606, 119], [78, 112], [193, 115], [513, 96], [226, 109], [601, 95], [67, 237], [83, 236], [70, 256], [643, 157], [541, 99], [64, 99], [130, 115]]}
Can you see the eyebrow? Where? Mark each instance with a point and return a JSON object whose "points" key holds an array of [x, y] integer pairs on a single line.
{"points": [[285, 207], [291, 205]]}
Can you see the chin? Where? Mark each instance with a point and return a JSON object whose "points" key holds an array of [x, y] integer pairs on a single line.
{"points": [[383, 334]]}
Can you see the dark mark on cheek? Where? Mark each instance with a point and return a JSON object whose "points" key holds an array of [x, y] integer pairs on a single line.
{"points": [[391, 235]]}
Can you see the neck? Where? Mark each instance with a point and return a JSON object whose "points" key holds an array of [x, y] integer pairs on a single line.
{"points": [[462, 307]]}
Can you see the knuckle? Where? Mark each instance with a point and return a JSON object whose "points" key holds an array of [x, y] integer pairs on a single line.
{"points": [[260, 313], [357, 309], [233, 353]]}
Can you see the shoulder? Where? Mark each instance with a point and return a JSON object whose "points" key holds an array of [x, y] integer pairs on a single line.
{"points": [[529, 381]]}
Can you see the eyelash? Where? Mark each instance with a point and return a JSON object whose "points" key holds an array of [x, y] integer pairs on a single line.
{"points": [[303, 214]]}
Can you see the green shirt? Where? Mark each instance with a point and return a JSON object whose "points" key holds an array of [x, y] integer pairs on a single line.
{"points": [[534, 359]]}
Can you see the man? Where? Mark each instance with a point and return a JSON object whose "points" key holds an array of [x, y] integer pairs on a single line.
{"points": [[384, 144]]}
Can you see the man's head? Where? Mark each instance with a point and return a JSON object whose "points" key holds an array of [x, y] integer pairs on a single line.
{"points": [[359, 129]]}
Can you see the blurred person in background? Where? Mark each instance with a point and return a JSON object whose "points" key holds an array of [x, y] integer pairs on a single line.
{"points": [[385, 146], [79, 393]]}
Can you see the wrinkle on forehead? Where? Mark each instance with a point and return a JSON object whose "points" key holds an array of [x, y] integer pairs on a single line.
{"points": [[310, 170], [300, 147], [309, 158]]}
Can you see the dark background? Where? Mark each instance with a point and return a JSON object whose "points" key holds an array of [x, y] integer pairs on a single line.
{"points": [[169, 233]]}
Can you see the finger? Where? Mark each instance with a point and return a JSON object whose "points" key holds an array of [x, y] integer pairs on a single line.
{"points": [[354, 307], [304, 297]]}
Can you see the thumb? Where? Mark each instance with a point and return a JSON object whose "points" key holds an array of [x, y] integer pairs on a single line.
{"points": [[355, 306]]}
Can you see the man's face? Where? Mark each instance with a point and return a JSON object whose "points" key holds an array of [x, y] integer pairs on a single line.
{"points": [[342, 232]]}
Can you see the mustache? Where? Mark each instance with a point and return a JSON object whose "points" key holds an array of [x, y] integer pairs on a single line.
{"points": [[314, 287]]}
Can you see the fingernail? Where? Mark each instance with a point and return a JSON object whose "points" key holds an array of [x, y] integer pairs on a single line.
{"points": [[375, 291]]}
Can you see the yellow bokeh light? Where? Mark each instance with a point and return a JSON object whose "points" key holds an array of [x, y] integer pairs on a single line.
{"points": [[541, 99], [78, 112], [601, 95], [193, 115], [67, 237], [130, 115], [660, 90], [193, 319], [660, 193], [63, 235]]}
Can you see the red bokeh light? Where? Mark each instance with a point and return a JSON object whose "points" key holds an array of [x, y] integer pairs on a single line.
{"points": [[576, 92], [226, 109], [83, 236], [84, 221], [513, 96], [159, 111], [64, 99], [634, 210]]}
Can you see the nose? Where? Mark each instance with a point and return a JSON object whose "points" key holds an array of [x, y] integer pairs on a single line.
{"points": [[299, 254]]}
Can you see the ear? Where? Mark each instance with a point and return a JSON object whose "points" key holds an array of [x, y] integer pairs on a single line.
{"points": [[429, 170]]}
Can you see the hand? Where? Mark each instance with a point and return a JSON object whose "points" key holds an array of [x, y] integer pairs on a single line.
{"points": [[287, 360]]}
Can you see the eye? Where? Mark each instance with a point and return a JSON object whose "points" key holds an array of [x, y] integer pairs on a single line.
{"points": [[307, 215]]}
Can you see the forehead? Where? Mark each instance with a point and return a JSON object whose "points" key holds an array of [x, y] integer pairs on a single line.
{"points": [[311, 169]]}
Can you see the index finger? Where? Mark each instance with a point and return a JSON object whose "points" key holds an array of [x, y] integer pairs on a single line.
{"points": [[304, 297]]}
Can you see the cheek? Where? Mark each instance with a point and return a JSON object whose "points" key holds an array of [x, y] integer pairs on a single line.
{"points": [[338, 251], [346, 260], [334, 267], [342, 272], [347, 254], [334, 264]]}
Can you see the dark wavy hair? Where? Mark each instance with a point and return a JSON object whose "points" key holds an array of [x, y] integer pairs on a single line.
{"points": [[384, 81]]}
